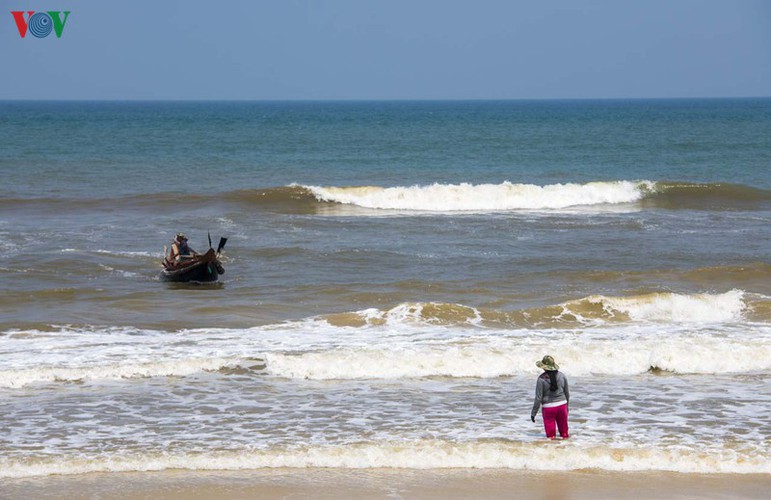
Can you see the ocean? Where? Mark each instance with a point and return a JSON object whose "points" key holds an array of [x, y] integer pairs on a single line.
{"points": [[393, 271]]}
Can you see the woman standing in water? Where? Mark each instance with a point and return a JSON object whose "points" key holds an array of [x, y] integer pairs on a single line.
{"points": [[551, 392]]}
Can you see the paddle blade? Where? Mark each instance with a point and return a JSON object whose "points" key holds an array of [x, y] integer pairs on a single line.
{"points": [[222, 244]]}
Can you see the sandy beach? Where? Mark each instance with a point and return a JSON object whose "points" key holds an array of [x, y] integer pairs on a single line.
{"points": [[390, 483]]}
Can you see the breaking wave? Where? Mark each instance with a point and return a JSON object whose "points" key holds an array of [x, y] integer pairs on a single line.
{"points": [[485, 197], [481, 357], [509, 196], [464, 197], [581, 358], [694, 334], [427, 454], [593, 310], [110, 371]]}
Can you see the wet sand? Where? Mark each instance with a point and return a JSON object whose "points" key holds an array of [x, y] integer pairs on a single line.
{"points": [[389, 483]]}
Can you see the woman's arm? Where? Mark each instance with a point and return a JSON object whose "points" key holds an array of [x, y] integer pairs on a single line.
{"points": [[538, 399]]}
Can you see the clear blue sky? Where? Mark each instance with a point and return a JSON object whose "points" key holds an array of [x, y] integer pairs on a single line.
{"points": [[390, 49]]}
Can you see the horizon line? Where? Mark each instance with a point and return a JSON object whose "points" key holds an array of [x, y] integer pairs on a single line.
{"points": [[389, 99]]}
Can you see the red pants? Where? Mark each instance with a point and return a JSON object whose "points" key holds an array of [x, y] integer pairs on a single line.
{"points": [[556, 415]]}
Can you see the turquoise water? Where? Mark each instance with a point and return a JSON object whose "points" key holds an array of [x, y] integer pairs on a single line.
{"points": [[93, 149], [393, 272]]}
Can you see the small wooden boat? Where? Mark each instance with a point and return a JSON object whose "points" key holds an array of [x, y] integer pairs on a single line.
{"points": [[202, 268]]}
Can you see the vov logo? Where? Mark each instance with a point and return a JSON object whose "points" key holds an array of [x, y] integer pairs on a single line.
{"points": [[40, 24]]}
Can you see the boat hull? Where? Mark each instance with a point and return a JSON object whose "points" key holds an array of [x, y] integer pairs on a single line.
{"points": [[204, 268]]}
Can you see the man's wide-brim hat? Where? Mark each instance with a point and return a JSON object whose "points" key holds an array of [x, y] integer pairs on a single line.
{"points": [[181, 236], [547, 363]]}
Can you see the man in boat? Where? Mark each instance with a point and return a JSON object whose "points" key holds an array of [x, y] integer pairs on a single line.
{"points": [[180, 250]]}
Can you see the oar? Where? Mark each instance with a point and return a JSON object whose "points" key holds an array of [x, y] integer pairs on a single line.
{"points": [[222, 244], [209, 235]]}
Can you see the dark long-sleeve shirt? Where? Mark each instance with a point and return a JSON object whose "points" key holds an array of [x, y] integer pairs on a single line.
{"points": [[544, 395]]}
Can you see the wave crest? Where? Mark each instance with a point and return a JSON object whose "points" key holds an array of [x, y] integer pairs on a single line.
{"points": [[715, 196], [425, 353], [426, 454], [180, 368], [663, 307], [464, 197], [595, 335], [484, 197], [694, 354]]}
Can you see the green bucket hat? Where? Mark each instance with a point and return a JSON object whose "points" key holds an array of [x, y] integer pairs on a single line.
{"points": [[547, 363]]}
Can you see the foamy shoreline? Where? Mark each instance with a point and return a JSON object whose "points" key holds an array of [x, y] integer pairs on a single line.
{"points": [[389, 483]]}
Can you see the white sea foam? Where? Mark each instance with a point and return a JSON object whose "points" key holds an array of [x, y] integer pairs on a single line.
{"points": [[673, 307], [430, 454], [122, 253], [653, 307], [46, 374], [694, 355], [411, 313], [681, 308], [485, 197], [130, 254], [496, 355], [697, 334]]}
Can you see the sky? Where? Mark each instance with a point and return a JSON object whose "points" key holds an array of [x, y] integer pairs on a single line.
{"points": [[389, 49]]}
